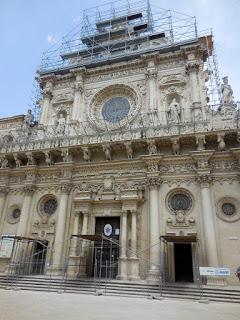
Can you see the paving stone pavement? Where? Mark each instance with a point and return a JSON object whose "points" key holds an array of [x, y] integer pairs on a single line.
{"points": [[27, 305]]}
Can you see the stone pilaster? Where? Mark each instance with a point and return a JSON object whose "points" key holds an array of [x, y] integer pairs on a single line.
{"points": [[26, 210], [60, 227]]}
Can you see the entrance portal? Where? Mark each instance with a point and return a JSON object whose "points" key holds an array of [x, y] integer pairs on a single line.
{"points": [[106, 253], [183, 262], [39, 257]]}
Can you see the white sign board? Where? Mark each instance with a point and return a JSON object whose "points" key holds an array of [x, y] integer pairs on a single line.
{"points": [[6, 247], [210, 271]]}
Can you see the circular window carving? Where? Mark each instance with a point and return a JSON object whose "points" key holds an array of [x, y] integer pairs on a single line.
{"points": [[179, 200], [16, 213], [48, 205], [115, 109], [228, 209]]}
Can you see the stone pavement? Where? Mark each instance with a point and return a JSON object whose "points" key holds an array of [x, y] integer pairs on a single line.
{"points": [[26, 305]]}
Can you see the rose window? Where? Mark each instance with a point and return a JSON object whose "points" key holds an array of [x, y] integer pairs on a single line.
{"points": [[16, 213], [228, 209], [115, 109], [48, 206], [180, 201]]}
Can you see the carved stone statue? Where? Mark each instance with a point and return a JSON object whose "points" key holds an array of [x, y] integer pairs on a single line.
{"points": [[221, 142], [28, 119], [107, 151], [61, 123], [200, 142], [86, 154], [129, 149], [3, 162], [175, 146], [227, 92], [152, 148], [174, 111]]}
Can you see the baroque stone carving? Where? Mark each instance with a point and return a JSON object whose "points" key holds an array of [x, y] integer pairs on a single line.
{"points": [[129, 149], [97, 113], [175, 146], [227, 92]]}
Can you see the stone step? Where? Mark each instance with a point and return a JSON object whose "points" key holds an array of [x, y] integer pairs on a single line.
{"points": [[118, 288]]}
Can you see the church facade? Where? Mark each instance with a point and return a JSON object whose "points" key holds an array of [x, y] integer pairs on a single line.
{"points": [[126, 146]]}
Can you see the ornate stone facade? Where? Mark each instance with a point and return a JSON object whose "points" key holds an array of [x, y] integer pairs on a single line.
{"points": [[134, 140]]}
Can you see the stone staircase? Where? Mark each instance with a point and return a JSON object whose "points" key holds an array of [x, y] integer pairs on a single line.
{"points": [[120, 288]]}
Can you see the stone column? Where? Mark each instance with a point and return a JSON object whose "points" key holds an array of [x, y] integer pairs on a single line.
{"points": [[134, 261], [25, 212], [74, 258], [154, 253], [3, 193], [151, 76], [3, 196], [208, 214], [209, 225], [78, 102], [74, 241], [77, 111], [192, 71], [82, 272], [60, 228], [123, 247]]}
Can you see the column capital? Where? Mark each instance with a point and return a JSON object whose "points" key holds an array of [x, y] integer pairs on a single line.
{"points": [[65, 188], [192, 67], [205, 180], [153, 182], [29, 189], [4, 190]]}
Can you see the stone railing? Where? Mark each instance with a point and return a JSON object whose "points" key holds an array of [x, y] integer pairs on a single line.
{"points": [[148, 125]]}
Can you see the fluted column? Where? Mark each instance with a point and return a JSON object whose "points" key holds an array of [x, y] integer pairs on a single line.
{"points": [[154, 251], [26, 210], [122, 274], [60, 227], [209, 223]]}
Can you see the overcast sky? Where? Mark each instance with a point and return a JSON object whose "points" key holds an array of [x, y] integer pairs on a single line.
{"points": [[29, 27]]}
